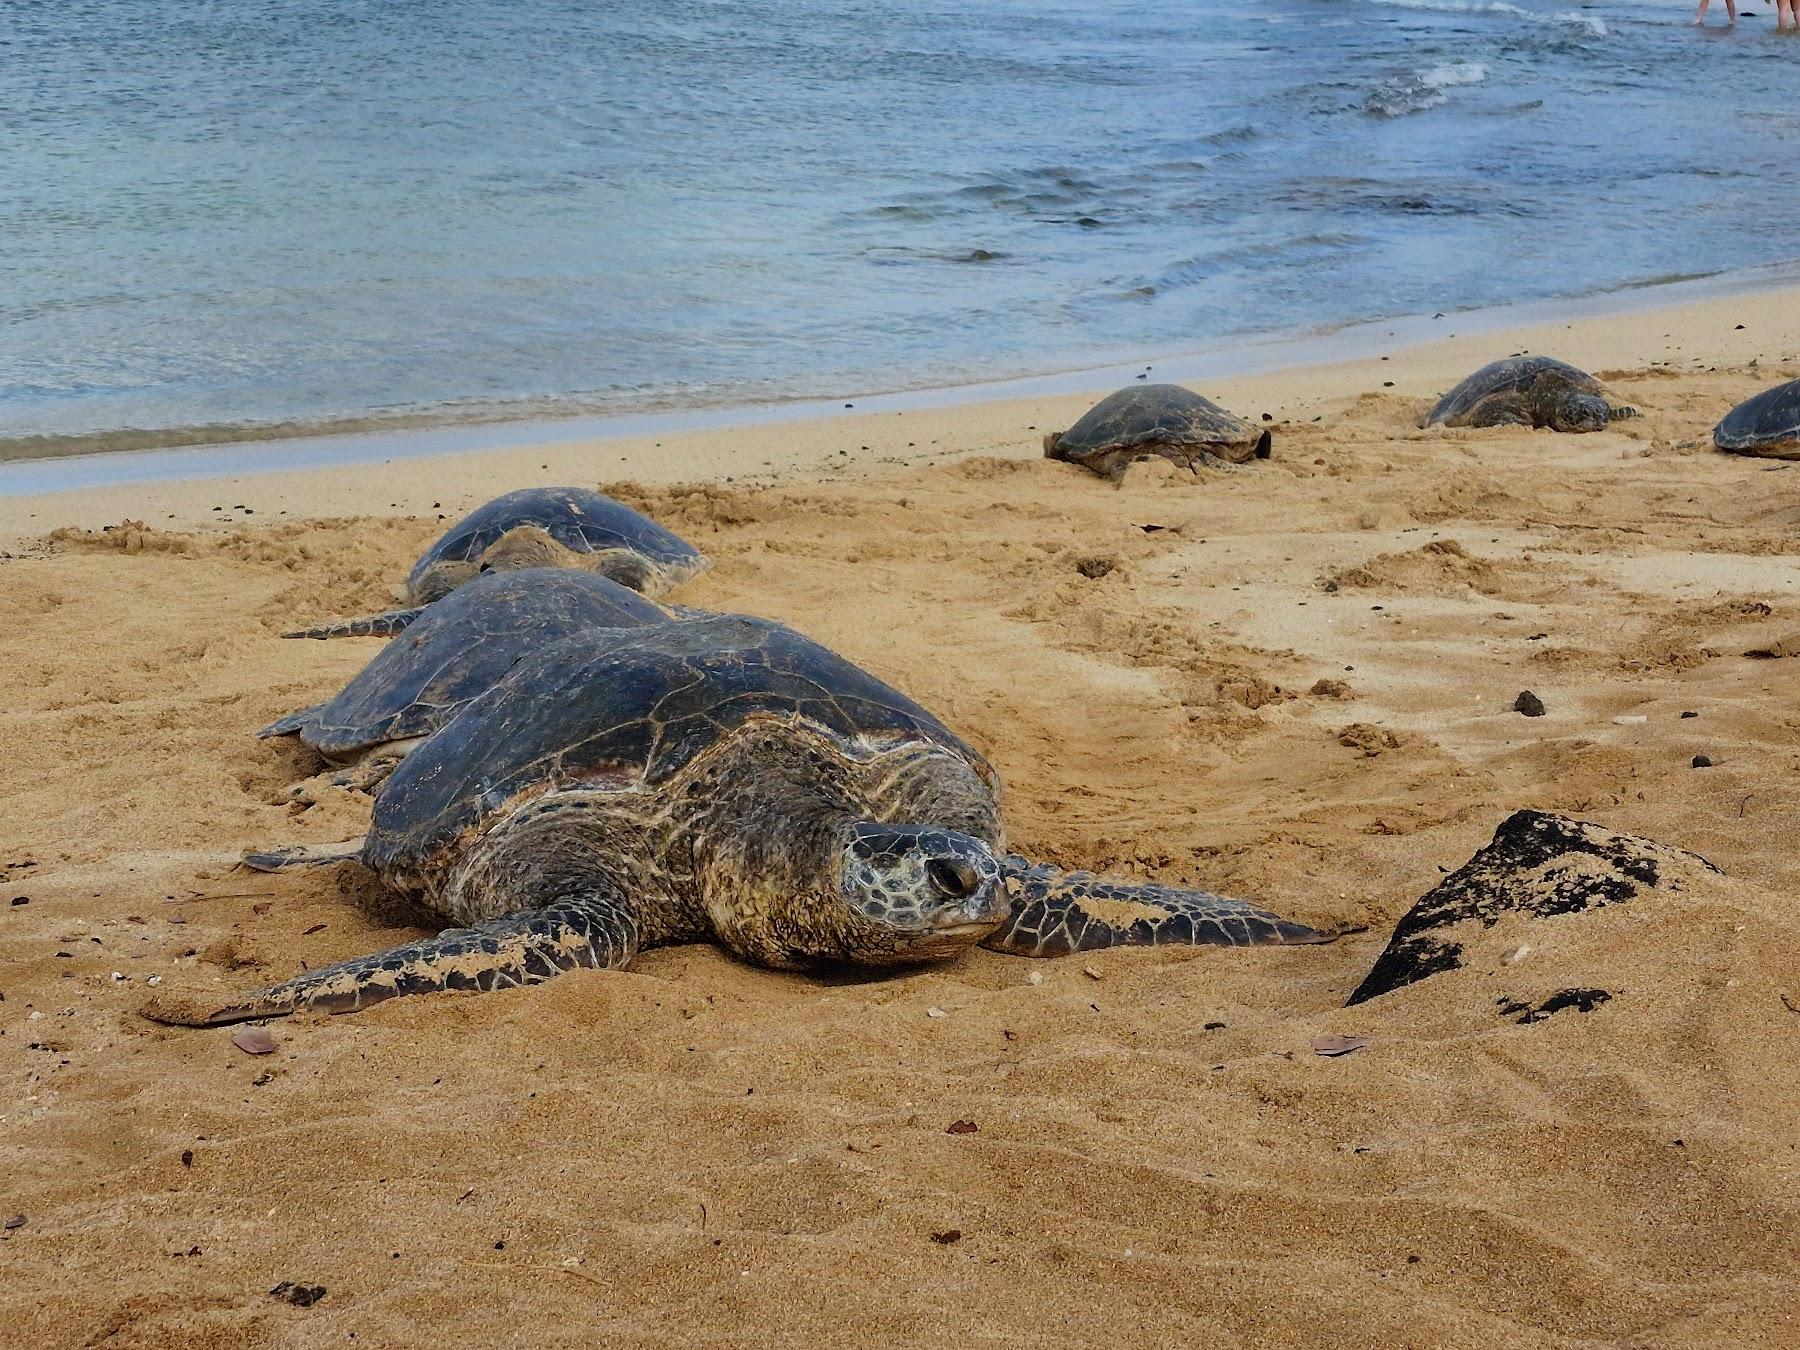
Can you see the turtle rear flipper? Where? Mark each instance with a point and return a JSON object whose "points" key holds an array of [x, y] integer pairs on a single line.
{"points": [[369, 625], [1618, 412], [595, 931], [1056, 912], [302, 855], [292, 724]]}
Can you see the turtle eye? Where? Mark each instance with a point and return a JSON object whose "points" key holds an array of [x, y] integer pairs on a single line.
{"points": [[953, 877]]}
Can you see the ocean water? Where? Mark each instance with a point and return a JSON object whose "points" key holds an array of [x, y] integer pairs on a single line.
{"points": [[298, 211]]}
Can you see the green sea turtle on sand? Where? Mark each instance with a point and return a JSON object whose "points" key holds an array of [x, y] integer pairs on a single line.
{"points": [[457, 650], [1155, 419], [1767, 424], [536, 527], [722, 779], [1527, 391]]}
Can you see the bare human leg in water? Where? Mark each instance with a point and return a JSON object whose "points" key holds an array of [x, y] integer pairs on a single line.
{"points": [[1787, 15], [1730, 12]]}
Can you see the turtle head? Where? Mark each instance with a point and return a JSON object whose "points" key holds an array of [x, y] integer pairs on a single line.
{"points": [[1582, 412], [916, 893], [859, 893]]}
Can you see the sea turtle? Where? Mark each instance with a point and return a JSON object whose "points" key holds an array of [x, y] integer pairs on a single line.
{"points": [[458, 649], [536, 527], [1155, 419], [1766, 424], [1527, 391], [721, 778]]}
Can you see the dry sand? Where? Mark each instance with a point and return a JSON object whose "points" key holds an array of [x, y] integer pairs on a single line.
{"points": [[697, 1152]]}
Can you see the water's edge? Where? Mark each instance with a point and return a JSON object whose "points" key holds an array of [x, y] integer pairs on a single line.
{"points": [[29, 466]]}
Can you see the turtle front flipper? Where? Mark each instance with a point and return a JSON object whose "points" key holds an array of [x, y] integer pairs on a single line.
{"points": [[1056, 912], [534, 945], [369, 625]]}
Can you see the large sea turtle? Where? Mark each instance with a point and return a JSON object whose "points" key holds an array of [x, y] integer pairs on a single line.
{"points": [[455, 651], [1155, 419], [536, 527], [1765, 424], [723, 778], [1527, 391]]}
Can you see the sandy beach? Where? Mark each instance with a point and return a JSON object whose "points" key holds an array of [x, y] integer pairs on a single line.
{"points": [[1291, 681]]}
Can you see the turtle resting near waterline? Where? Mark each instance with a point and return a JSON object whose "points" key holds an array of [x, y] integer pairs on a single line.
{"points": [[536, 527], [1527, 391], [1766, 424], [457, 650], [1155, 419], [722, 778]]}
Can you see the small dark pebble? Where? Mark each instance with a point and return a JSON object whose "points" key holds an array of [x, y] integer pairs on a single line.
{"points": [[21, 900], [961, 1127], [187, 1157], [1268, 417], [1387, 384], [1703, 762], [499, 1246], [1529, 704], [949, 1235], [300, 1295], [17, 1221], [1412, 1260], [1690, 714], [1214, 1026]]}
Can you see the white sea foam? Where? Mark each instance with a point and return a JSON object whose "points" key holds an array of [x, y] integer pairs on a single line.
{"points": [[1453, 73], [1420, 90], [1590, 24]]}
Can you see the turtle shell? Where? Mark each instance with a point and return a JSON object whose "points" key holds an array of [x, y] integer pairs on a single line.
{"points": [[461, 647], [1766, 424], [1506, 376], [626, 709], [1150, 416], [577, 518]]}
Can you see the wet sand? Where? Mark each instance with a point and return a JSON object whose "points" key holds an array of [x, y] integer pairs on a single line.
{"points": [[1291, 681]]}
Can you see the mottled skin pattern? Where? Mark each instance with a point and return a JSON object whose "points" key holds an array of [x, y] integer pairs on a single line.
{"points": [[532, 528], [1155, 419], [720, 779], [1527, 391], [1767, 424]]}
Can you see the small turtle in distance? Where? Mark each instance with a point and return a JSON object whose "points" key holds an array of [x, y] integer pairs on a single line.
{"points": [[536, 527], [723, 779], [1155, 419], [1767, 424], [1528, 391]]}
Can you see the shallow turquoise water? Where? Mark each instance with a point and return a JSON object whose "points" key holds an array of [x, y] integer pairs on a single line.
{"points": [[301, 210]]}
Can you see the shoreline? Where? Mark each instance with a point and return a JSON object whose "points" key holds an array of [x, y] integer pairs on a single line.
{"points": [[418, 473], [221, 451]]}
